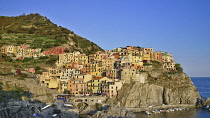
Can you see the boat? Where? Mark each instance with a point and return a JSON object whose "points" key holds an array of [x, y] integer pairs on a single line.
{"points": [[148, 113]]}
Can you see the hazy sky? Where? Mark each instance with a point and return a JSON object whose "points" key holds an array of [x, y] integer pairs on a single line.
{"points": [[181, 27]]}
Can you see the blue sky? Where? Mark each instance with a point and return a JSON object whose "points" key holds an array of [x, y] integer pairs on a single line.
{"points": [[181, 27]]}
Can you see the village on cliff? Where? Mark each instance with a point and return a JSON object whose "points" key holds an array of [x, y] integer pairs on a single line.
{"points": [[102, 73]]}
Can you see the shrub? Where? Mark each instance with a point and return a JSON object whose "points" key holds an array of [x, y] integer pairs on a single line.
{"points": [[98, 106], [19, 89], [80, 105], [179, 68], [31, 30], [43, 57], [21, 78], [51, 60]]}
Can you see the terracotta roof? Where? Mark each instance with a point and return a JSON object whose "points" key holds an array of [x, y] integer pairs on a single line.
{"points": [[97, 78]]}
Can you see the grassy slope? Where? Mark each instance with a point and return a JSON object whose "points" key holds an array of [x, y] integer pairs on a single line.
{"points": [[40, 32]]}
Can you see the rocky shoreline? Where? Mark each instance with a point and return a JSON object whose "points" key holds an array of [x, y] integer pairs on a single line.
{"points": [[28, 109], [151, 108]]}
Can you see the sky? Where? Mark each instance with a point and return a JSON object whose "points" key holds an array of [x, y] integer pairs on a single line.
{"points": [[180, 27]]}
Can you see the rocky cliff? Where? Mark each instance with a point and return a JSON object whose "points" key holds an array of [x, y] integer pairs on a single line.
{"points": [[107, 111], [163, 88], [28, 84]]}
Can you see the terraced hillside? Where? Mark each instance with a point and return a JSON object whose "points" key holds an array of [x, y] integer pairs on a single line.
{"points": [[40, 32]]}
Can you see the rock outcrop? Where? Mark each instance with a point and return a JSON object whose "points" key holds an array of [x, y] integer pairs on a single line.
{"points": [[29, 84], [112, 112], [206, 101], [162, 88], [29, 109]]}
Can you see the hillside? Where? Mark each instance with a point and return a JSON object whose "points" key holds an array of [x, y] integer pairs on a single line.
{"points": [[40, 32]]}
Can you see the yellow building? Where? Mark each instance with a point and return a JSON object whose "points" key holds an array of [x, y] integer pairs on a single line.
{"points": [[55, 71], [146, 57], [47, 81], [82, 59], [127, 75], [53, 83], [147, 50], [137, 59], [95, 85], [108, 64], [96, 68]]}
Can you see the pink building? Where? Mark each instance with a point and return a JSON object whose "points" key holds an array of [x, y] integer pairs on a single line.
{"points": [[25, 46], [77, 87], [104, 56], [73, 65], [31, 70], [86, 69], [56, 50]]}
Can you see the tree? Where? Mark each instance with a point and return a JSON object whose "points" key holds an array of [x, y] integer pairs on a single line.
{"points": [[179, 68], [32, 30], [66, 51], [66, 92], [10, 31], [37, 70], [1, 85]]}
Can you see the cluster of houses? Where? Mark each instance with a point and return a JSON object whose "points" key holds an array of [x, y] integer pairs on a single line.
{"points": [[24, 51], [101, 73]]}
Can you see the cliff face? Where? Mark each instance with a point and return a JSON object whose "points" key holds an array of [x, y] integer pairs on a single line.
{"points": [[168, 89], [31, 85]]}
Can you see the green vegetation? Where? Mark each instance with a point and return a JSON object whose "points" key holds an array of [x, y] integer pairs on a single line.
{"points": [[40, 32], [52, 60], [79, 105], [179, 68], [21, 78], [172, 72], [38, 64], [66, 92], [38, 70], [98, 106], [156, 64], [147, 64]]}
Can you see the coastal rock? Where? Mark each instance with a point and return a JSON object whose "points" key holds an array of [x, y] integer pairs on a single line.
{"points": [[28, 84], [113, 112], [26, 109], [161, 89], [206, 101]]}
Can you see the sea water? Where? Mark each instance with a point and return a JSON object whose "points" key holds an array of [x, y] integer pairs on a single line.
{"points": [[203, 86]]}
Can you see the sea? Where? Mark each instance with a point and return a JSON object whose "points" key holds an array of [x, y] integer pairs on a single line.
{"points": [[203, 86]]}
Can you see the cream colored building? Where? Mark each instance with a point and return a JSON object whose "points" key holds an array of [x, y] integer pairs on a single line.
{"points": [[113, 89]]}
